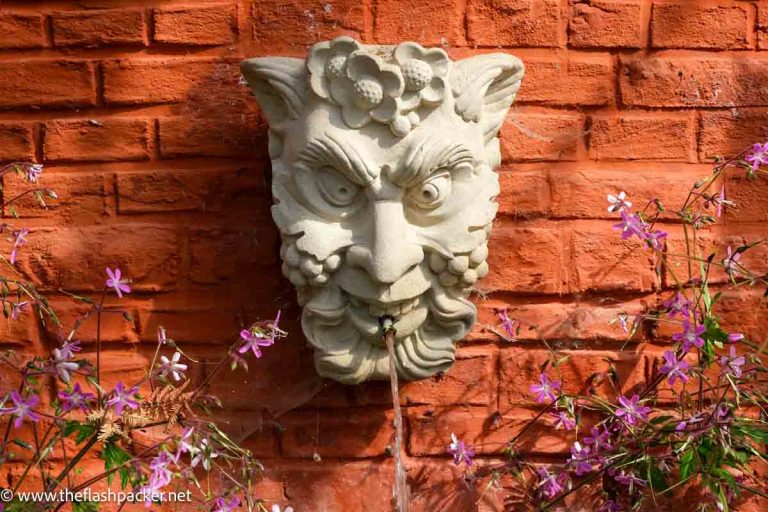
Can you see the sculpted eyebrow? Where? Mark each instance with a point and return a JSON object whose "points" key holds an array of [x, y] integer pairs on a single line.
{"points": [[332, 152], [426, 155]]}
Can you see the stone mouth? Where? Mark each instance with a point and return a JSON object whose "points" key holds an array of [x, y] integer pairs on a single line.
{"points": [[377, 309], [408, 315]]}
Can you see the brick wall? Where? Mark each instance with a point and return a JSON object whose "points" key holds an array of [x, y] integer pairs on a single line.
{"points": [[159, 157]]}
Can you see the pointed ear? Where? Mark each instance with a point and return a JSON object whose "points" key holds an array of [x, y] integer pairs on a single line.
{"points": [[484, 88], [279, 84]]}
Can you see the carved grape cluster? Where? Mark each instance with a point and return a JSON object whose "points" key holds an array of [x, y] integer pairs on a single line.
{"points": [[303, 269], [462, 270]]}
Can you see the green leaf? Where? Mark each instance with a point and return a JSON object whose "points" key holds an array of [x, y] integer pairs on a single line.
{"points": [[70, 427], [114, 456], [86, 431], [85, 506], [687, 464], [21, 443]]}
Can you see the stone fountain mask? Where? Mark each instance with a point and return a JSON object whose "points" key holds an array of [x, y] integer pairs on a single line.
{"points": [[383, 165]]}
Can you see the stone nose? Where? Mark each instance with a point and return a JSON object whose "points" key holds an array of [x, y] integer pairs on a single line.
{"points": [[392, 249]]}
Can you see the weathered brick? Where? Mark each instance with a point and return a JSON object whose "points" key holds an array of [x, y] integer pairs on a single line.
{"points": [[606, 24], [96, 139], [602, 261], [542, 136], [212, 136], [114, 328], [80, 197], [225, 254], [21, 30], [298, 25], [762, 26], [641, 137], [196, 25], [536, 255], [51, 83], [571, 80], [706, 80], [748, 196], [99, 27], [727, 132], [514, 23], [721, 25], [524, 193], [336, 434], [16, 141], [419, 21]]}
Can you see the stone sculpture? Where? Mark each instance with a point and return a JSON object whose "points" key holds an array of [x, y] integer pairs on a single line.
{"points": [[383, 163]]}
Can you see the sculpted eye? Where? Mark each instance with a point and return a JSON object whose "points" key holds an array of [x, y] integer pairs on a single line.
{"points": [[335, 188], [432, 192]]}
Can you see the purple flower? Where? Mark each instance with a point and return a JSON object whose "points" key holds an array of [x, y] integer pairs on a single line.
{"points": [[159, 477], [731, 261], [68, 349], [631, 224], [679, 304], [631, 410], [629, 479], [758, 156], [599, 440], [656, 239], [550, 484], [735, 337], [172, 367], [183, 444], [545, 390], [18, 242], [618, 202], [580, 457], [623, 320], [116, 283], [732, 365], [508, 324], [123, 398], [675, 368], [257, 337], [719, 201], [222, 505], [22, 408], [460, 451], [563, 420], [610, 506], [18, 308], [696, 418], [205, 454], [162, 337], [33, 172], [691, 336], [63, 365], [75, 399]]}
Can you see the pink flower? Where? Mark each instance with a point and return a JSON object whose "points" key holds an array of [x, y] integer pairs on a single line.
{"points": [[563, 420], [18, 308], [257, 337], [631, 224], [679, 304], [18, 242], [545, 390], [508, 324], [460, 451], [172, 367], [631, 410], [600, 440], [735, 337], [618, 202], [550, 484], [580, 459], [123, 398], [116, 283], [691, 336], [75, 399], [22, 408], [758, 156], [675, 368], [68, 349], [731, 261], [63, 365], [656, 239], [732, 364], [222, 505], [33, 172]]}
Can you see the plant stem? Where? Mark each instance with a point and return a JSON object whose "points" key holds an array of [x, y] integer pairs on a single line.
{"points": [[401, 486]]}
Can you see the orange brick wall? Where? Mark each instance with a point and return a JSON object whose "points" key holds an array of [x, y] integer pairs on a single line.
{"points": [[159, 157]]}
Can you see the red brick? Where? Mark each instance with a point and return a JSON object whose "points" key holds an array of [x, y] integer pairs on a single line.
{"points": [[16, 141], [257, 435], [641, 136], [721, 25], [167, 79], [602, 261], [542, 136], [524, 193], [96, 140], [51, 83], [336, 434], [212, 136], [514, 23], [75, 258], [748, 195], [218, 255], [281, 26], [606, 24], [572, 80], [535, 254], [705, 80], [81, 197], [20, 332], [420, 21], [431, 431], [762, 26], [19, 30], [196, 25], [743, 311], [114, 327], [727, 132], [583, 372], [99, 27]]}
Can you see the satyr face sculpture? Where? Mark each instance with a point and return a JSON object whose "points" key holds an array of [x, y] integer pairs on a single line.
{"points": [[383, 165]]}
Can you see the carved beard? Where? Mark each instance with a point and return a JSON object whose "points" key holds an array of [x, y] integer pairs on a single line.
{"points": [[343, 328]]}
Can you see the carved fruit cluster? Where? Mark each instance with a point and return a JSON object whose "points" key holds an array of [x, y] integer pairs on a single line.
{"points": [[462, 270], [303, 269]]}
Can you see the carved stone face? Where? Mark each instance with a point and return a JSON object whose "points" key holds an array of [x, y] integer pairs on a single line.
{"points": [[383, 165]]}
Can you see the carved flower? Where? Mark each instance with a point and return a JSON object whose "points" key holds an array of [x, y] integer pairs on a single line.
{"points": [[424, 72], [371, 90], [327, 61]]}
